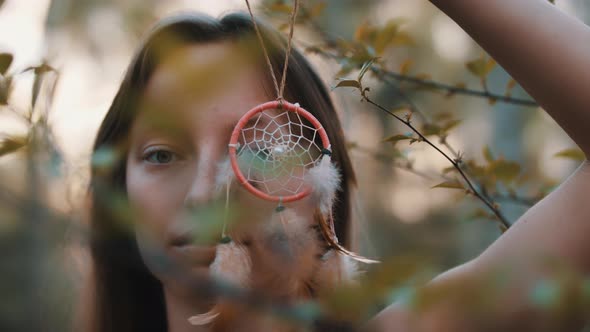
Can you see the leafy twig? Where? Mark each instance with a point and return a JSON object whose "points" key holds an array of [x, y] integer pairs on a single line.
{"points": [[453, 89], [527, 201], [389, 76], [505, 224]]}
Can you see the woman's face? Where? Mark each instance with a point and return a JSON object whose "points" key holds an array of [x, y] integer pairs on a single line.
{"points": [[178, 140]]}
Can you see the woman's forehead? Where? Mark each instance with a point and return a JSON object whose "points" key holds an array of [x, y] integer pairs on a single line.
{"points": [[195, 70], [205, 80]]}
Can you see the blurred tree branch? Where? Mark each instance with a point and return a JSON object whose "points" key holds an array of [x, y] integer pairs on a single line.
{"points": [[371, 42]]}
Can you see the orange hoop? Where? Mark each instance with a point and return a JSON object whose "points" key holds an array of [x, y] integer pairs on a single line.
{"points": [[233, 147]]}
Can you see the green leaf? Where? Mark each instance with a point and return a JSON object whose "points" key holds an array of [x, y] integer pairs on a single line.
{"points": [[429, 129], [449, 169], [11, 144], [453, 184], [396, 138], [386, 36], [5, 62], [348, 83], [366, 66], [573, 154], [450, 125], [505, 170]]}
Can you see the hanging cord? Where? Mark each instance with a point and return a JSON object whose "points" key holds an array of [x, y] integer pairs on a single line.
{"points": [[224, 237], [279, 89]]}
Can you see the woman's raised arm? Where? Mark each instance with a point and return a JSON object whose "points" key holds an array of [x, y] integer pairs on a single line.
{"points": [[544, 49], [548, 53]]}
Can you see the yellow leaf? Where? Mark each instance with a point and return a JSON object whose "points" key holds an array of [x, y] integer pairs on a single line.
{"points": [[490, 65], [510, 85], [505, 170], [481, 214], [362, 31], [450, 125], [453, 184], [318, 9], [423, 76], [348, 83], [442, 116], [401, 109], [385, 36], [281, 8], [449, 169], [403, 39], [5, 61], [404, 69], [573, 154], [396, 138], [11, 144], [461, 85], [481, 67]]}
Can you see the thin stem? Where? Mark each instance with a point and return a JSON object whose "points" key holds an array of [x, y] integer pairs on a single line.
{"points": [[456, 163], [388, 76], [452, 89]]}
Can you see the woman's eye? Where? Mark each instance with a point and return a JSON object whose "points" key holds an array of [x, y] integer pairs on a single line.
{"points": [[160, 157]]}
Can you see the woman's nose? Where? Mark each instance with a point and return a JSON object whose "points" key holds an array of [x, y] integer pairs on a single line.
{"points": [[202, 187]]}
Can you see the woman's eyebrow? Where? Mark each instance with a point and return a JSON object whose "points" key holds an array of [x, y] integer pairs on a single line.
{"points": [[160, 123]]}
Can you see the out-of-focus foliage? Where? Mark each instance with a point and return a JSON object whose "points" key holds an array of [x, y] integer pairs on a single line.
{"points": [[377, 67]]}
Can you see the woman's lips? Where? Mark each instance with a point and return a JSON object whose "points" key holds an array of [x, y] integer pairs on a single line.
{"points": [[192, 254], [180, 240]]}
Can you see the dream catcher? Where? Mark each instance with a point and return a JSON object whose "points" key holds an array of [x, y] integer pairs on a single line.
{"points": [[280, 152]]}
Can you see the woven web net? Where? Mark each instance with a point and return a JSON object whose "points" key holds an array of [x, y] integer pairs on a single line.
{"points": [[276, 148]]}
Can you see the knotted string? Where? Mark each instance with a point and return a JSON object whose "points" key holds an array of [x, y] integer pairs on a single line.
{"points": [[279, 89]]}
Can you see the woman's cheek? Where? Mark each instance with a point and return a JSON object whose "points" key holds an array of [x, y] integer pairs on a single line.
{"points": [[153, 200]]}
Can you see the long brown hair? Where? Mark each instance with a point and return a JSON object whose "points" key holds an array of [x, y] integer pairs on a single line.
{"points": [[126, 296]]}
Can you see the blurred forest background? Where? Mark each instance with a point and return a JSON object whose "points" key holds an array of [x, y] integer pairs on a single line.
{"points": [[62, 61]]}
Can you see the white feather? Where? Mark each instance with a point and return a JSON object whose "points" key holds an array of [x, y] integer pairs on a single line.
{"points": [[232, 264], [204, 319], [325, 181]]}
